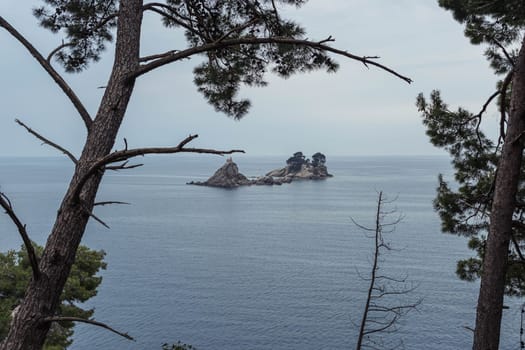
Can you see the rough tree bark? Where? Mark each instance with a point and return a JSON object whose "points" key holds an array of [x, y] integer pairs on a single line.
{"points": [[490, 301], [29, 328]]}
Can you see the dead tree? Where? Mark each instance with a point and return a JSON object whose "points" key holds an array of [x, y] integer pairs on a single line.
{"points": [[239, 40], [382, 309]]}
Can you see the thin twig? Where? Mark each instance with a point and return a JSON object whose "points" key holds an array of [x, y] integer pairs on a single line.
{"points": [[153, 7], [505, 52], [110, 202], [57, 49], [47, 141], [480, 114], [33, 259], [123, 166], [255, 41], [96, 218], [92, 322], [51, 71]]}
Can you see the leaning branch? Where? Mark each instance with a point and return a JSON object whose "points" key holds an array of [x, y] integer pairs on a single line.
{"points": [[503, 103], [122, 156], [56, 50], [47, 141], [153, 7], [51, 71], [217, 45], [6, 204], [92, 322]]}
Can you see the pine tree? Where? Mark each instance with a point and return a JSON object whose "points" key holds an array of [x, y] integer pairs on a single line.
{"points": [[488, 203], [239, 40]]}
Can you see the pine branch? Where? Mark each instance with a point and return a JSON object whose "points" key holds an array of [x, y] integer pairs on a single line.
{"points": [[6, 204], [47, 141], [123, 166], [56, 50], [92, 322], [51, 71], [217, 45]]}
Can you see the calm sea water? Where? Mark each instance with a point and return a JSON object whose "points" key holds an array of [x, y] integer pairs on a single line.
{"points": [[257, 267]]}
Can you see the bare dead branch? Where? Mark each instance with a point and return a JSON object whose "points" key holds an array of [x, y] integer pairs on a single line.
{"points": [[51, 71], [154, 7], [362, 227], [124, 155], [238, 29], [92, 322], [469, 328], [487, 103], [33, 259], [47, 141], [379, 317], [329, 39], [170, 58]]}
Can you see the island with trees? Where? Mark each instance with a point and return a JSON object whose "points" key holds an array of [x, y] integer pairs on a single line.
{"points": [[298, 167]]}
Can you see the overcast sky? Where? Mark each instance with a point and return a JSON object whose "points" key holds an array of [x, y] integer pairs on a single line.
{"points": [[357, 111]]}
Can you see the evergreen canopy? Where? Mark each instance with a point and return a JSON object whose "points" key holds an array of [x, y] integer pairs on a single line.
{"points": [[464, 207], [88, 25]]}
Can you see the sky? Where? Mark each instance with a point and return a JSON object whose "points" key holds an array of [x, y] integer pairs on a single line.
{"points": [[356, 111]]}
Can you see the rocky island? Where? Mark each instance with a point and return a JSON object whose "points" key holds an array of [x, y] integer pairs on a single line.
{"points": [[297, 167]]}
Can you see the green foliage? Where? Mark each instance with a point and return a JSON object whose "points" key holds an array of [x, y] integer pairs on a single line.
{"points": [[318, 159], [497, 23], [465, 208], [223, 71], [87, 26], [82, 283]]}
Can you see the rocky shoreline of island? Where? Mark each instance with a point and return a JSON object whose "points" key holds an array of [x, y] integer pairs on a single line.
{"points": [[298, 167]]}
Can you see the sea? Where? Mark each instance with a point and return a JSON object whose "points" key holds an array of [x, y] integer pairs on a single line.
{"points": [[260, 267]]}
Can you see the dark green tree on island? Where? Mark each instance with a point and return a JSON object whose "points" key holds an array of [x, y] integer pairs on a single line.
{"points": [[237, 42]]}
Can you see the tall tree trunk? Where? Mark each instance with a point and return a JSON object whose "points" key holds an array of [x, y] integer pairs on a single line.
{"points": [[490, 301], [28, 329]]}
